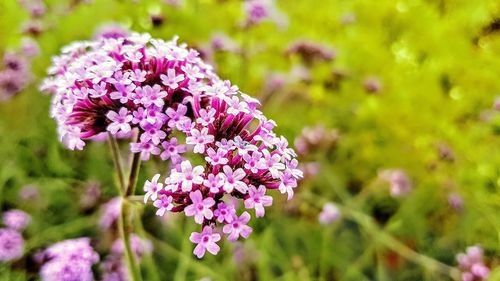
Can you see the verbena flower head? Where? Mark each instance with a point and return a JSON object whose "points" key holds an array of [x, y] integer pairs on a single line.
{"points": [[11, 245], [69, 260], [16, 219], [166, 94], [471, 264]]}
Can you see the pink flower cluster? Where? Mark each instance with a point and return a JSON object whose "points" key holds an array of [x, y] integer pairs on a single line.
{"points": [[471, 264], [11, 239], [15, 69], [173, 100], [68, 260]]}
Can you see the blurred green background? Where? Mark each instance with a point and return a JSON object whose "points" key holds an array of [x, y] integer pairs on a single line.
{"points": [[411, 86]]}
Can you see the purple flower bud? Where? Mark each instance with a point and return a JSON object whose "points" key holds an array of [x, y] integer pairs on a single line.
{"points": [[372, 85]]}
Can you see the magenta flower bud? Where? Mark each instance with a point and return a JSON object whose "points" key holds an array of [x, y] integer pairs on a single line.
{"points": [[372, 85]]}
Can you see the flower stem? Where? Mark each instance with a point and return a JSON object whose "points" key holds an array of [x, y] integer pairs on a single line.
{"points": [[134, 172], [389, 241], [392, 243], [125, 226], [116, 160], [125, 229]]}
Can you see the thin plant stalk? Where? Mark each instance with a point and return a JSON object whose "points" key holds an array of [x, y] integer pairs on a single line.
{"points": [[390, 242], [117, 162], [125, 220]]}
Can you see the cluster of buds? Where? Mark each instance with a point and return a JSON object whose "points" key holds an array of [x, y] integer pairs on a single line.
{"points": [[11, 239], [68, 260], [172, 100], [15, 71], [471, 264]]}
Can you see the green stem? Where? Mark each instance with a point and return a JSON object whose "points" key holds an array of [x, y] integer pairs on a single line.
{"points": [[148, 258], [395, 245], [134, 172], [125, 220], [116, 160], [125, 229], [392, 243]]}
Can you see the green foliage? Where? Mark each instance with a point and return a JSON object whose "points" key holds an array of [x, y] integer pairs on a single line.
{"points": [[438, 69]]}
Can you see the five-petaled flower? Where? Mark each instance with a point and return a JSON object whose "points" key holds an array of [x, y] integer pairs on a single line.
{"points": [[206, 240]]}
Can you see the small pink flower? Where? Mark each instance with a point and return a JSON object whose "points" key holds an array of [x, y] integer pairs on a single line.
{"points": [[171, 80], [151, 188], [238, 227], [233, 180], [172, 151], [188, 176], [258, 200], [176, 116], [206, 116], [164, 203], [120, 121], [206, 241], [225, 213], [216, 157], [199, 139], [253, 162], [200, 208], [214, 183]]}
